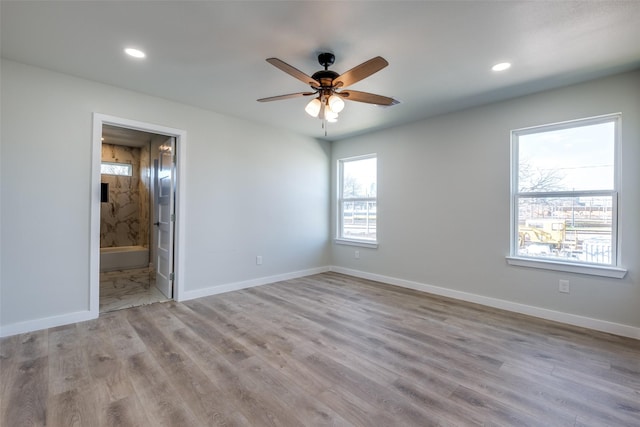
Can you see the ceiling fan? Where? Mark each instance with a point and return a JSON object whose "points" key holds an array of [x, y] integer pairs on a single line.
{"points": [[329, 86]]}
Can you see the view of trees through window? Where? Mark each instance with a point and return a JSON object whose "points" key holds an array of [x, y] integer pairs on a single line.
{"points": [[358, 204], [565, 202]]}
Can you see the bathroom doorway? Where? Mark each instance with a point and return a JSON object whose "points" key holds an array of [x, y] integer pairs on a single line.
{"points": [[136, 174], [137, 170]]}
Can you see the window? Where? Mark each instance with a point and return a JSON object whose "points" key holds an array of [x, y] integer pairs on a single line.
{"points": [[122, 169], [357, 200], [564, 192]]}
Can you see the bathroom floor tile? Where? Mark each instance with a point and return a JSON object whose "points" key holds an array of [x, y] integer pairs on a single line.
{"points": [[128, 288]]}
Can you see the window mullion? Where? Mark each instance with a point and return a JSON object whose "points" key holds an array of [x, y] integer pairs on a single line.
{"points": [[586, 193]]}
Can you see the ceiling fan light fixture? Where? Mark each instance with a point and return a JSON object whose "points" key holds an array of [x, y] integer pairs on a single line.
{"points": [[313, 107], [336, 104], [328, 85], [330, 115]]}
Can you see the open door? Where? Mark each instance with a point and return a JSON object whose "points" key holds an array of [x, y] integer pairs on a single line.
{"points": [[165, 215]]}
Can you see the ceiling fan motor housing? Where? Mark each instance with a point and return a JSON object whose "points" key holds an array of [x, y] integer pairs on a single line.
{"points": [[325, 77]]}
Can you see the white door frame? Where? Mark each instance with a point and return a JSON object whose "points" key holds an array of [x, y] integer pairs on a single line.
{"points": [[99, 120]]}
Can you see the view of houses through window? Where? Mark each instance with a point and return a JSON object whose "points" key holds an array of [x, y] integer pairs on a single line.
{"points": [[564, 194]]}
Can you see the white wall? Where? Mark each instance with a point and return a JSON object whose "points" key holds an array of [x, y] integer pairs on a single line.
{"points": [[251, 190], [443, 206], [254, 190]]}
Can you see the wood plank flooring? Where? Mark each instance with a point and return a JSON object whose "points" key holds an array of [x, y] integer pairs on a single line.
{"points": [[325, 350]]}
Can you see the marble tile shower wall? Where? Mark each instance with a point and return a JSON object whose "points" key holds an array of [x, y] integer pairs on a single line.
{"points": [[144, 189], [124, 220]]}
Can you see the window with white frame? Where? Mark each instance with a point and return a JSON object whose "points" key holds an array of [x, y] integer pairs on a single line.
{"points": [[564, 192], [357, 199]]}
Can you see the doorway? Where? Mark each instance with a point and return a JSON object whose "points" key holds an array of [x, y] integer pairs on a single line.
{"points": [[135, 256]]}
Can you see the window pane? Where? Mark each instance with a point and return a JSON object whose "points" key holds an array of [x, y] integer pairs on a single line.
{"points": [[359, 178], [359, 220], [569, 228], [122, 169], [574, 159]]}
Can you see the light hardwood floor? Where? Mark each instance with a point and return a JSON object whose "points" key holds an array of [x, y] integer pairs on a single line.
{"points": [[322, 350]]}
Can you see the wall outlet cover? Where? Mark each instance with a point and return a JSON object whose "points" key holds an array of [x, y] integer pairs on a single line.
{"points": [[563, 286]]}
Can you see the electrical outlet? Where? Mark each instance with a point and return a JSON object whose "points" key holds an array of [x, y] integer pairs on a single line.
{"points": [[259, 260], [563, 286], [357, 254]]}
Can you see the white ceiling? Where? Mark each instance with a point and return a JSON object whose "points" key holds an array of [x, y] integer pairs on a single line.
{"points": [[211, 54]]}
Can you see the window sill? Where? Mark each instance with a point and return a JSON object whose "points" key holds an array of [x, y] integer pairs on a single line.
{"points": [[592, 270], [361, 243]]}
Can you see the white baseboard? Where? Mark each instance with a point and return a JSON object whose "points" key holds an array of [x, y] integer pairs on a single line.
{"points": [[571, 319], [46, 322], [81, 316], [214, 290]]}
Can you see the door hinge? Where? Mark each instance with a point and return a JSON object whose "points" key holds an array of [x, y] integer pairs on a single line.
{"points": [[173, 217], [171, 276]]}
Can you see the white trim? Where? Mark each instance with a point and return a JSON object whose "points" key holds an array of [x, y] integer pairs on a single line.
{"points": [[341, 200], [180, 135], [180, 201], [44, 323], [571, 319], [352, 242], [567, 124], [609, 270], [593, 270], [543, 313], [94, 220], [81, 316], [259, 281]]}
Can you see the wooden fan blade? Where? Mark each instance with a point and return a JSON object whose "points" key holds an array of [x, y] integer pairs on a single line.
{"points": [[292, 71], [287, 96], [360, 72], [369, 98]]}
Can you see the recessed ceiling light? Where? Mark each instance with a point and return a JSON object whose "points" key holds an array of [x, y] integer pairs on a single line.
{"points": [[501, 66], [134, 52]]}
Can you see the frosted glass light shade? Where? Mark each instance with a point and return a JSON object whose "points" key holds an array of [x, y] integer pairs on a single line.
{"points": [[313, 107], [330, 115], [336, 104]]}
